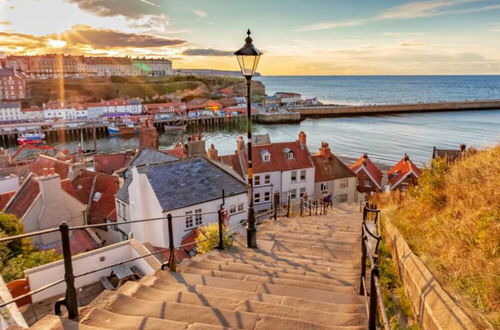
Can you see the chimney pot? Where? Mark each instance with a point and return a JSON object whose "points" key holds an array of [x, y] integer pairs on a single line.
{"points": [[52, 171], [45, 171], [302, 138], [365, 155]]}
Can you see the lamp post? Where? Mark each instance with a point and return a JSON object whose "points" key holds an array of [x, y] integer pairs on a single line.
{"points": [[248, 58]]}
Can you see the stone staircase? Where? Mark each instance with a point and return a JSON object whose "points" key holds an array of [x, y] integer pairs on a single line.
{"points": [[303, 276]]}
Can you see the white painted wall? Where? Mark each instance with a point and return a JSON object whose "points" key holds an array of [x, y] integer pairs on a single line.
{"points": [[9, 183], [262, 188], [48, 273], [335, 187], [308, 183]]}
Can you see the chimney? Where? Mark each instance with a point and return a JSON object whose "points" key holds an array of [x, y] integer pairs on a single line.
{"points": [[212, 153], [365, 155], [324, 150], [462, 147], [407, 158], [302, 139], [196, 147], [240, 145]]}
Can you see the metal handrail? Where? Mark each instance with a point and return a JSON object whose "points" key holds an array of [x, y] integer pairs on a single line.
{"points": [[374, 298]]}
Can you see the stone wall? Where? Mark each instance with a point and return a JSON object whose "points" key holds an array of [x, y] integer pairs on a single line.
{"points": [[432, 306]]}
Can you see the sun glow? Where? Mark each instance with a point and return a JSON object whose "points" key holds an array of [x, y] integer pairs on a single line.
{"points": [[56, 43]]}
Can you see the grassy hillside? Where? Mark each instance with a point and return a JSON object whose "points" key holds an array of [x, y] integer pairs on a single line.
{"points": [[452, 221], [145, 88]]}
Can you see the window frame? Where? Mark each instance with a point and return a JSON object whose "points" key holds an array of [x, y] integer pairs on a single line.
{"points": [[189, 219], [293, 176]]}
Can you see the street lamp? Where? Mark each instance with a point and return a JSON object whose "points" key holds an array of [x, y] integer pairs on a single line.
{"points": [[248, 58]]}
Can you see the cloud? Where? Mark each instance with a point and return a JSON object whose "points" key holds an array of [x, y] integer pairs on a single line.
{"points": [[128, 8], [411, 43], [200, 13], [417, 9], [207, 52], [5, 23], [105, 38]]}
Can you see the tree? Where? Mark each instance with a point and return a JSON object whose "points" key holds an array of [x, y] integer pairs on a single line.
{"points": [[18, 255]]}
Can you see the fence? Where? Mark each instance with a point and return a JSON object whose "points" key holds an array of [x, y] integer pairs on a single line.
{"points": [[369, 247]]}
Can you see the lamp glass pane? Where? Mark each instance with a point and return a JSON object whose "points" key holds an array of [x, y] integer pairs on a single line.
{"points": [[248, 64]]}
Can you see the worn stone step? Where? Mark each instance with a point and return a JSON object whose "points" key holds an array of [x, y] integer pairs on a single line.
{"points": [[231, 298], [125, 305], [287, 236], [337, 286], [163, 280], [111, 320], [284, 258], [54, 322], [256, 269], [343, 318]]}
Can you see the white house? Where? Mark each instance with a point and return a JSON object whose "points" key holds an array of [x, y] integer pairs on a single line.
{"points": [[191, 190], [32, 114], [10, 111], [333, 177]]}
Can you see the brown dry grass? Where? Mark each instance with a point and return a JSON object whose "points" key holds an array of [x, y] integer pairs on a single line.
{"points": [[452, 221]]}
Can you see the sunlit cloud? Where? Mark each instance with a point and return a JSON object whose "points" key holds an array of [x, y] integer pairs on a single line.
{"points": [[200, 13], [5, 23], [56, 43], [127, 8], [207, 52]]}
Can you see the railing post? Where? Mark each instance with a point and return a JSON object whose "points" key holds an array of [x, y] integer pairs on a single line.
{"points": [[301, 206], [288, 208], [221, 242], [70, 300], [171, 248], [372, 317], [316, 206], [310, 208], [363, 265], [276, 205]]}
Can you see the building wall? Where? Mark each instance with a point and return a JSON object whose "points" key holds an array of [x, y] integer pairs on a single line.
{"points": [[362, 180], [9, 183], [10, 112], [46, 274], [344, 193], [288, 185], [263, 188]]}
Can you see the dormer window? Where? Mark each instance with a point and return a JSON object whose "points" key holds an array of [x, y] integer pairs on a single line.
{"points": [[266, 155], [288, 153]]}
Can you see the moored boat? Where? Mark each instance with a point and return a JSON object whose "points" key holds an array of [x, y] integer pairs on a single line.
{"points": [[122, 129], [30, 138]]}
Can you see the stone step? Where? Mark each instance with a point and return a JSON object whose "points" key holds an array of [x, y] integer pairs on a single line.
{"points": [[345, 318], [337, 286], [125, 305], [164, 280], [54, 322], [256, 269], [256, 255], [320, 232], [340, 240], [232, 298], [111, 320]]}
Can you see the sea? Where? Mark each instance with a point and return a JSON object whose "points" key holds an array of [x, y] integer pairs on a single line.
{"points": [[386, 138]]}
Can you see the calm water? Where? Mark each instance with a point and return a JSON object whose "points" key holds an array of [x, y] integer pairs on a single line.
{"points": [[385, 138], [387, 89]]}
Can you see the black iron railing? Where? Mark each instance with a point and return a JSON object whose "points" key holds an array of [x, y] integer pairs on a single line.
{"points": [[370, 242], [313, 207]]}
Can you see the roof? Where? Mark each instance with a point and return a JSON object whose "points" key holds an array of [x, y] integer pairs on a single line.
{"points": [[9, 105], [329, 167], [80, 242], [109, 163], [178, 151], [42, 161], [403, 168], [365, 163], [279, 162], [24, 197], [190, 239], [189, 182], [448, 154], [232, 161], [5, 198]]}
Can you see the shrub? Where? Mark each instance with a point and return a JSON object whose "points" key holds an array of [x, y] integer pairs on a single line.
{"points": [[208, 238]]}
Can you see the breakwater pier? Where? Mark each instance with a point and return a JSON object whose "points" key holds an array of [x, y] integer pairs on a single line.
{"points": [[380, 109]]}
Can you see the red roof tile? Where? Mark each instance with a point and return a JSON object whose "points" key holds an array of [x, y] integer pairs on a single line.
{"points": [[102, 201], [365, 163], [24, 197], [80, 242], [279, 161], [108, 163], [399, 171], [232, 161], [177, 151], [328, 167], [5, 198], [42, 161], [190, 239]]}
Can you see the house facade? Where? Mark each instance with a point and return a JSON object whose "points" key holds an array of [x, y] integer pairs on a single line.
{"points": [[333, 177], [191, 190], [369, 177], [12, 85], [10, 111], [404, 174]]}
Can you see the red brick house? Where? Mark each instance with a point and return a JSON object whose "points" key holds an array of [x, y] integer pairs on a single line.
{"points": [[405, 173], [368, 174]]}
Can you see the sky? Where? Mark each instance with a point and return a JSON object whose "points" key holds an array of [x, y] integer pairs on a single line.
{"points": [[297, 37]]}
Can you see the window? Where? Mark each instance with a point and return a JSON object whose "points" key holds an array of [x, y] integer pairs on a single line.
{"points": [[266, 156], [344, 183], [368, 183], [302, 192], [267, 196], [293, 193], [198, 220], [303, 175], [343, 198], [289, 155], [189, 219], [324, 186], [232, 209], [267, 179], [256, 198], [257, 180], [294, 176], [241, 207]]}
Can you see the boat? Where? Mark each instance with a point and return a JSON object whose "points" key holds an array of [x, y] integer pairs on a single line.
{"points": [[30, 138], [122, 129]]}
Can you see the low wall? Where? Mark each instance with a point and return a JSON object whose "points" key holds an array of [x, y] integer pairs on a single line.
{"points": [[432, 306], [277, 118], [340, 110]]}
